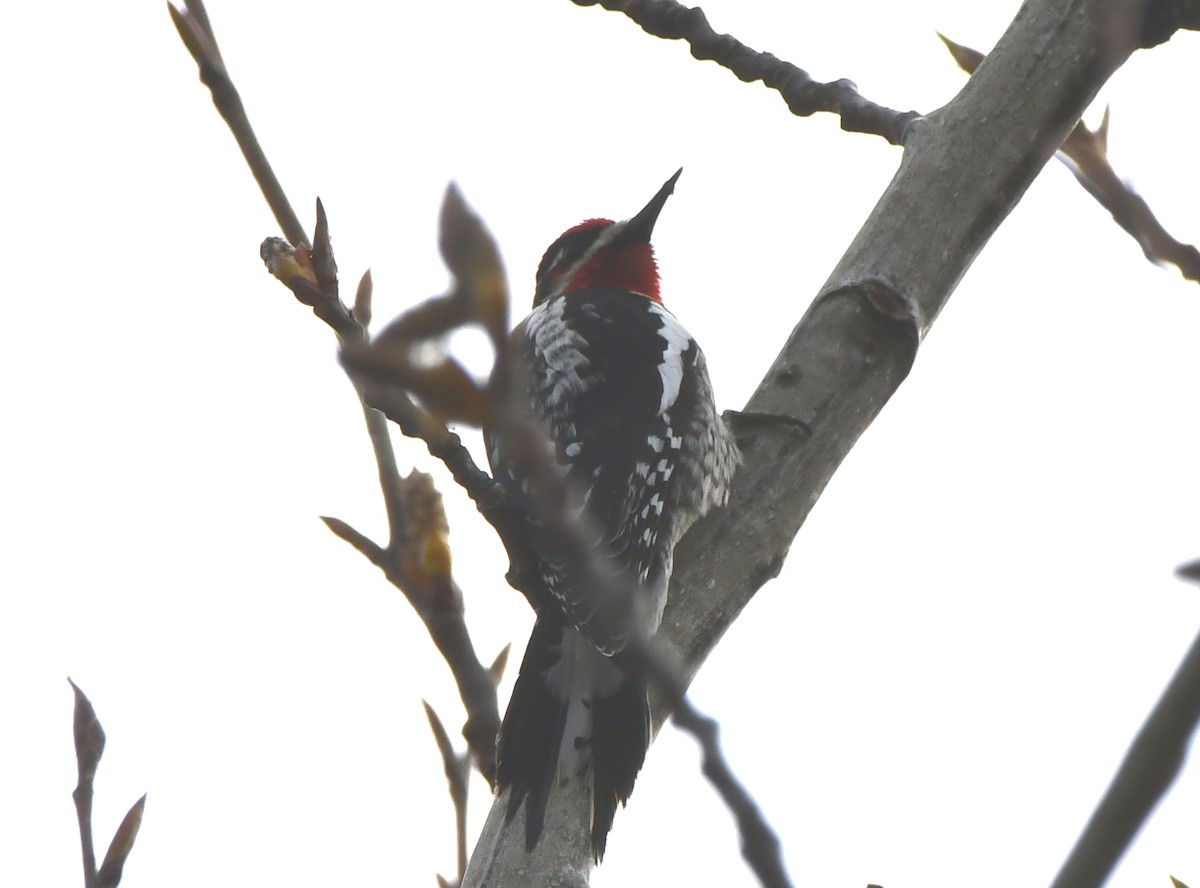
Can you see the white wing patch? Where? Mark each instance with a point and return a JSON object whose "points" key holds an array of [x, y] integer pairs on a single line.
{"points": [[562, 350], [677, 340]]}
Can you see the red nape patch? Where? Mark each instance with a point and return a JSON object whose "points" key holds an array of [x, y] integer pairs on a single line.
{"points": [[631, 267]]}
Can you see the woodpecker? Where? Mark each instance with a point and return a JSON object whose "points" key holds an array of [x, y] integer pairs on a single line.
{"points": [[622, 393]]}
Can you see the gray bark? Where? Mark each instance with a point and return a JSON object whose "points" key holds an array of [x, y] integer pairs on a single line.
{"points": [[964, 167]]}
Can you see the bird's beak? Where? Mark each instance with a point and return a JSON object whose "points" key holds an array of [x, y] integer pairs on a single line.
{"points": [[641, 226]]}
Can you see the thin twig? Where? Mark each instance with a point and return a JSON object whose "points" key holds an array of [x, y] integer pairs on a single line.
{"points": [[196, 32], [446, 627], [457, 771], [1085, 152], [804, 96], [761, 848], [111, 870], [89, 747], [440, 609], [1153, 762], [760, 843]]}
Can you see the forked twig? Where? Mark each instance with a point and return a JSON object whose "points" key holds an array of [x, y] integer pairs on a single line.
{"points": [[89, 748], [311, 273], [1085, 152]]}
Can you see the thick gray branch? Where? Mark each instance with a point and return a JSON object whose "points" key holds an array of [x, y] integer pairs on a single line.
{"points": [[964, 168]]}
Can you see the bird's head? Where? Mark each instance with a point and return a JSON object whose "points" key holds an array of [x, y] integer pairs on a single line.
{"points": [[604, 253]]}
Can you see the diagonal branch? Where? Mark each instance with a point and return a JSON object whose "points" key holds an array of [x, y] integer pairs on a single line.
{"points": [[1153, 762], [804, 95], [197, 34], [564, 537], [760, 843], [964, 169], [312, 275], [1085, 152]]}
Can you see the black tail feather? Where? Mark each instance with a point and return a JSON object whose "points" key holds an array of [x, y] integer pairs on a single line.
{"points": [[620, 737], [527, 751], [532, 732]]}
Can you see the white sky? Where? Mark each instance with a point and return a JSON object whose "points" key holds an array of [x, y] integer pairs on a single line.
{"points": [[970, 628]]}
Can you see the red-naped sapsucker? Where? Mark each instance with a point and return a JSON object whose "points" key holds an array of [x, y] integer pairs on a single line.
{"points": [[622, 394]]}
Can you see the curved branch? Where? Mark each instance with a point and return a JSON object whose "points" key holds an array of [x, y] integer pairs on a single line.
{"points": [[804, 95]]}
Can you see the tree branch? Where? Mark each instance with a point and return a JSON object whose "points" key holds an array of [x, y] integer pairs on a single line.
{"points": [[1153, 762], [564, 535], [311, 274], [458, 773], [197, 34], [804, 96], [964, 168], [89, 748], [1085, 152]]}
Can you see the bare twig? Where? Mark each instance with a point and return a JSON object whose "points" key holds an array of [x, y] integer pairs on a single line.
{"points": [[196, 32], [1151, 765], [109, 875], [457, 772], [804, 96], [418, 565], [311, 274], [760, 844], [857, 341], [446, 446], [1085, 152], [315, 284], [89, 747]]}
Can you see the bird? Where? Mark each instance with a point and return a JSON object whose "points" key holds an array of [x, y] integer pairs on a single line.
{"points": [[621, 397]]}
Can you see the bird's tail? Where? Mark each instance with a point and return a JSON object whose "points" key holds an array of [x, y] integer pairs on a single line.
{"points": [[620, 737], [572, 709]]}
